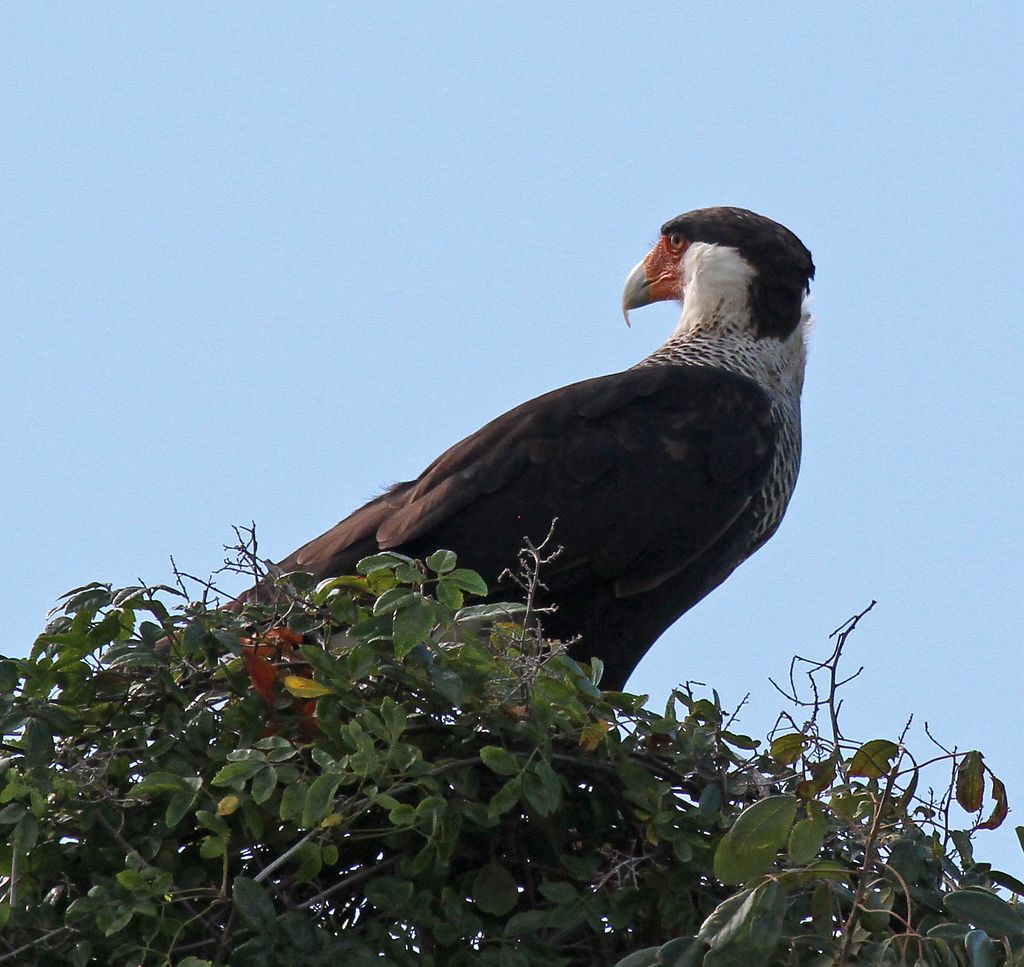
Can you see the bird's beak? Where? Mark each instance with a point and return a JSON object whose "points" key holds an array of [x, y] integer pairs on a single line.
{"points": [[654, 279]]}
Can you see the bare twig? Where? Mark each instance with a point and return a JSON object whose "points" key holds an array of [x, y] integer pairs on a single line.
{"points": [[34, 943], [739, 708], [870, 846]]}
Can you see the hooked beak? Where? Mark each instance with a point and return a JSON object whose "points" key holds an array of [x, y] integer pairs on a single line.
{"points": [[654, 279]]}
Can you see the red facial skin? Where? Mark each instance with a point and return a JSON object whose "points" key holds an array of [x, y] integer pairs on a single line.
{"points": [[661, 267]]}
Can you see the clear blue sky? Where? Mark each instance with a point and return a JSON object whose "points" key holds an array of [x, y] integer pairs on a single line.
{"points": [[257, 261]]}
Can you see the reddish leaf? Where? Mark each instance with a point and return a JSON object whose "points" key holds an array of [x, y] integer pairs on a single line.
{"points": [[822, 774], [1001, 808], [262, 672]]}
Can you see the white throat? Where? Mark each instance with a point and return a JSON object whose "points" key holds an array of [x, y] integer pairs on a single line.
{"points": [[716, 281], [714, 328]]}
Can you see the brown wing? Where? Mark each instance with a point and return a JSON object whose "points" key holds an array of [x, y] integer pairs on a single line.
{"points": [[644, 470]]}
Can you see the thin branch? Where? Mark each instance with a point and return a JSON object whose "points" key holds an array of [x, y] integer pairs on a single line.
{"points": [[354, 880], [30, 945], [870, 846]]}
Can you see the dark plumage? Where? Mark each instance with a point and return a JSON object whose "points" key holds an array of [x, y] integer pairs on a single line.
{"points": [[662, 478]]}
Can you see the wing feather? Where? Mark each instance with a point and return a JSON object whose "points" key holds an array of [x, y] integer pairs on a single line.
{"points": [[644, 470]]}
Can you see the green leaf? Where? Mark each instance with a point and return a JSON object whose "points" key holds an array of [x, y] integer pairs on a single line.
{"points": [[526, 923], [236, 773], [408, 574], [981, 952], [499, 760], [760, 831], [390, 601], [986, 911], [389, 894], [681, 952], [822, 870], [710, 802], [449, 683], [323, 662], [320, 800], [394, 716], [750, 936], [263, 784], [349, 582], [412, 624], [873, 758], [293, 802], [490, 612], [441, 562], [903, 804], [647, 957], [382, 562], [402, 815], [300, 580], [25, 834], [738, 741], [156, 783], [559, 891], [467, 580], [1007, 880], [806, 840], [542, 788], [449, 595], [12, 813], [180, 803], [133, 881], [9, 677], [253, 904], [494, 889], [955, 933], [213, 847], [822, 911], [37, 741], [113, 919], [970, 782], [277, 748], [506, 797]]}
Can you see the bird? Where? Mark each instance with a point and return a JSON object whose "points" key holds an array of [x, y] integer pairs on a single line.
{"points": [[655, 482]]}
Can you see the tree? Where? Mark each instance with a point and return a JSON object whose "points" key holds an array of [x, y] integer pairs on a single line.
{"points": [[374, 771]]}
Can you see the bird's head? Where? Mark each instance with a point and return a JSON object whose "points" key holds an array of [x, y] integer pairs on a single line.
{"points": [[726, 261]]}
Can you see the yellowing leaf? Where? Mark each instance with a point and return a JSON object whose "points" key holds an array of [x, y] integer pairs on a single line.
{"points": [[970, 782], [227, 805], [592, 734], [305, 687], [873, 758], [788, 748]]}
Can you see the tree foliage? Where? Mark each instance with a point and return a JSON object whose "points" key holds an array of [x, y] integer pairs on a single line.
{"points": [[374, 771]]}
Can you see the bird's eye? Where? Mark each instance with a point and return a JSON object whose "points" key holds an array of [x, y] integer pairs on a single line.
{"points": [[675, 240]]}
